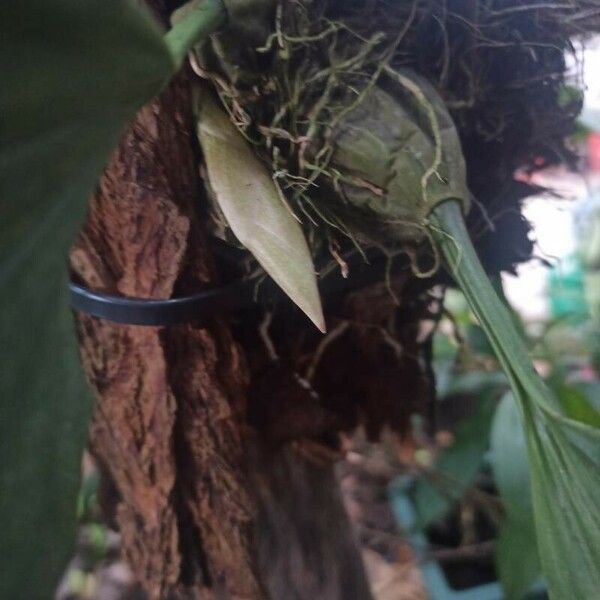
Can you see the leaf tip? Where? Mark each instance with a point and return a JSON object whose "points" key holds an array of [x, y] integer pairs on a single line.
{"points": [[319, 321]]}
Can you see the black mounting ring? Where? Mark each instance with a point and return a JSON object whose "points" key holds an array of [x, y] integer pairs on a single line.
{"points": [[202, 306], [170, 311]]}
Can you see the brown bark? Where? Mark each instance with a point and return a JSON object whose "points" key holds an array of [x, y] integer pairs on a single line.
{"points": [[307, 547], [211, 498], [170, 408], [169, 401]]}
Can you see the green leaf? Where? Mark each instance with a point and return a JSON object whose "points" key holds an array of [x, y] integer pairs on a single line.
{"points": [[457, 466], [255, 209], [477, 341], [576, 405], [444, 360], [508, 451], [516, 551], [517, 560], [73, 74], [192, 23], [564, 453], [566, 485]]}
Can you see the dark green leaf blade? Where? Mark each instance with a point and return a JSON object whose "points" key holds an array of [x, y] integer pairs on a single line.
{"points": [[516, 552], [457, 466], [73, 74], [565, 486], [576, 405], [564, 454]]}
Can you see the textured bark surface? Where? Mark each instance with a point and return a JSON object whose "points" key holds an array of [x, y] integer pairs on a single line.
{"points": [[198, 519], [169, 402], [369, 369], [307, 547]]}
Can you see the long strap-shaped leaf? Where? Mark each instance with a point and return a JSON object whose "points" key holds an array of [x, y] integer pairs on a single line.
{"points": [[73, 74], [564, 453]]}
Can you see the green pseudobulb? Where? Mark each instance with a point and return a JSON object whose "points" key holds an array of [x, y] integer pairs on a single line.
{"points": [[399, 156]]}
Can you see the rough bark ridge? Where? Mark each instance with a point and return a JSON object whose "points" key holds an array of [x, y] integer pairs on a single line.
{"points": [[169, 402], [307, 547], [197, 519]]}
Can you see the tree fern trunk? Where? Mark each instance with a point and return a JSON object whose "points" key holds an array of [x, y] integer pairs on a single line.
{"points": [[170, 410]]}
